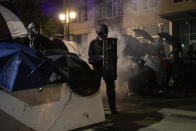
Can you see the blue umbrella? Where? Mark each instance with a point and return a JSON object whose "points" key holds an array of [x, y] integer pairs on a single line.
{"points": [[21, 67]]}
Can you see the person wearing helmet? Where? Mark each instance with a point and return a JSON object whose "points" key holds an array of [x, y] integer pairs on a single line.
{"points": [[33, 30], [37, 39], [95, 54]]}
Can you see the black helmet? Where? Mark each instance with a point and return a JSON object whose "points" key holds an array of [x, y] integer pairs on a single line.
{"points": [[102, 31], [33, 29]]}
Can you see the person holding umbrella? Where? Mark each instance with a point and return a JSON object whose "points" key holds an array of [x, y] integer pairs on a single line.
{"points": [[96, 59]]}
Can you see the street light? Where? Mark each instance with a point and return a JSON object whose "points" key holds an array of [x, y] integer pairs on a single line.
{"points": [[62, 17], [67, 17], [72, 15]]}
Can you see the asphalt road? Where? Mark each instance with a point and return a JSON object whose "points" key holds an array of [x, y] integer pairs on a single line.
{"points": [[174, 112]]}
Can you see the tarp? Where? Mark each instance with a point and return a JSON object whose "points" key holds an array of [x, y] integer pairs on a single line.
{"points": [[22, 67], [76, 72], [12, 21]]}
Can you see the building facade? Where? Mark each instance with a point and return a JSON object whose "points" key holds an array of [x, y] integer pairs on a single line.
{"points": [[90, 13], [176, 17]]}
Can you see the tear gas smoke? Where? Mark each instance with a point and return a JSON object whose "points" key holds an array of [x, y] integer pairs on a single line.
{"points": [[125, 67]]}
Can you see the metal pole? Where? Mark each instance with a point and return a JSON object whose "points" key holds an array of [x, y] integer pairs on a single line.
{"points": [[67, 24], [68, 31]]}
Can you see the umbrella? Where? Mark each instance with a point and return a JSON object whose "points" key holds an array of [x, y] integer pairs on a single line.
{"points": [[42, 42], [171, 40], [133, 47], [74, 71], [79, 49], [59, 44], [11, 25], [144, 34], [21, 67]]}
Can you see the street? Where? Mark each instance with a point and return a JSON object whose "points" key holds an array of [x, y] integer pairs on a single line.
{"points": [[176, 112], [150, 114]]}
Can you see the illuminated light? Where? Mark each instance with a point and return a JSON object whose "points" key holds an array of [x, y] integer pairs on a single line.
{"points": [[72, 15], [183, 45], [62, 17]]}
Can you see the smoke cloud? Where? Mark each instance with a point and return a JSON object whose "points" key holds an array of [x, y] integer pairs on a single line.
{"points": [[125, 67]]}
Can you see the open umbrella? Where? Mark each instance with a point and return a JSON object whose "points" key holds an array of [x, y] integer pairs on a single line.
{"points": [[21, 67], [133, 47], [80, 49], [10, 23], [144, 34], [74, 71], [171, 40]]}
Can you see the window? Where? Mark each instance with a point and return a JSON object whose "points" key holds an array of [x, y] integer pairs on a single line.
{"points": [[115, 8], [81, 39], [134, 4], [193, 30], [109, 9], [187, 33], [120, 10], [176, 1], [100, 11], [85, 15], [78, 39], [153, 3], [150, 4], [165, 27], [79, 16], [145, 4], [151, 29], [82, 14]]}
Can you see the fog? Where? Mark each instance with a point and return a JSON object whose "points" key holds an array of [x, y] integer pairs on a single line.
{"points": [[125, 67]]}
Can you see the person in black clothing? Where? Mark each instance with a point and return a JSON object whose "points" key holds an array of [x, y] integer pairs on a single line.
{"points": [[38, 41], [34, 30], [96, 59]]}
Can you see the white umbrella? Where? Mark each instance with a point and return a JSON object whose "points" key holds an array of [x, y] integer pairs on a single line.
{"points": [[81, 50], [14, 24]]}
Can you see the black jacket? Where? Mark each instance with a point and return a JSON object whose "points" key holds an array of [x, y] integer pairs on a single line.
{"points": [[95, 53]]}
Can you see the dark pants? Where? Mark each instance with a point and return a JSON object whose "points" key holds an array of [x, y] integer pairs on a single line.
{"points": [[110, 89]]}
